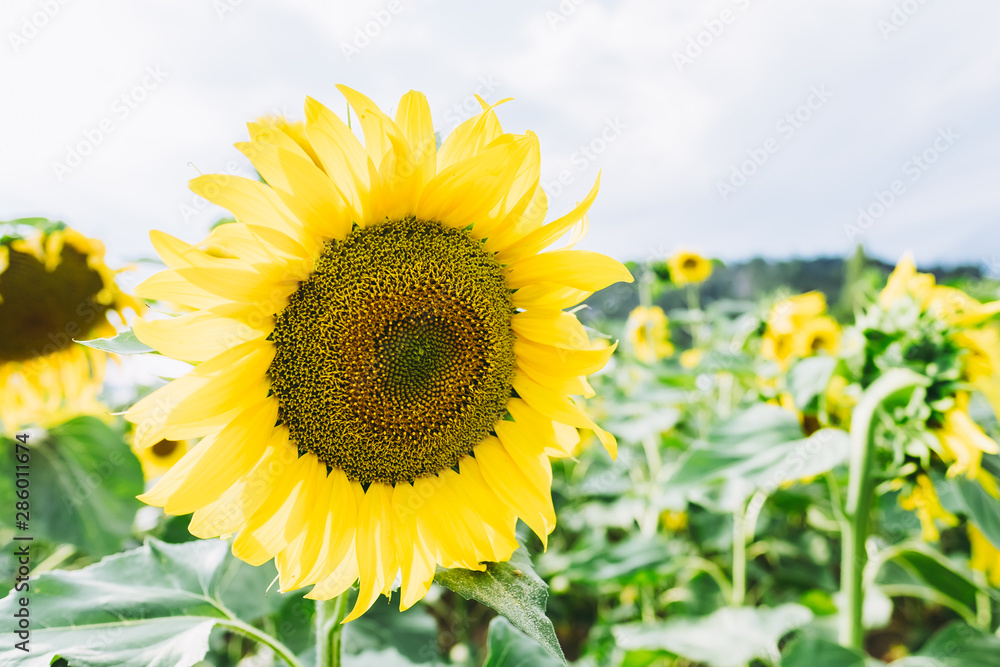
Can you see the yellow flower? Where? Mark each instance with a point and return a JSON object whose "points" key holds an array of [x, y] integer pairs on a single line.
{"points": [[963, 443], [923, 500], [648, 332], [158, 458], [54, 289], [984, 556], [818, 334], [797, 327], [982, 361], [383, 365], [950, 304], [296, 130], [674, 521], [691, 358], [688, 267]]}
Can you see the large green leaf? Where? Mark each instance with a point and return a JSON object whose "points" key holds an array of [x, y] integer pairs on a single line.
{"points": [[957, 645], [514, 590], [813, 652], [937, 572], [84, 480], [808, 379], [763, 447], [981, 507], [729, 637], [124, 343], [509, 647], [154, 605]]}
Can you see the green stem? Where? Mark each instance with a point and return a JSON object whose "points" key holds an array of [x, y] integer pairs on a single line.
{"points": [[329, 624], [246, 630], [739, 557], [860, 486]]}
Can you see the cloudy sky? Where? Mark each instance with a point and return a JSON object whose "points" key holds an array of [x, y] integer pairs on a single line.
{"points": [[737, 127]]}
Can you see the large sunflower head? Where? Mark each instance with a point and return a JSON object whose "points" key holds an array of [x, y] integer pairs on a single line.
{"points": [[384, 365], [54, 289]]}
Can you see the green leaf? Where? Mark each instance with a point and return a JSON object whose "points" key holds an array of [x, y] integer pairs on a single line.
{"points": [[509, 647], [729, 637], [761, 447], [808, 379], [939, 573], [155, 605], [812, 652], [124, 343], [84, 481], [957, 645], [512, 589], [981, 508]]}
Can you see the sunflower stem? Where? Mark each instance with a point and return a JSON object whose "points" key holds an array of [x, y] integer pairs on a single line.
{"points": [[860, 489], [329, 625]]}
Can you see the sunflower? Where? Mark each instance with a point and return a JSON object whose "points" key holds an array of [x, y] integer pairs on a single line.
{"points": [[159, 457], [54, 289], [923, 499], [383, 362], [648, 331], [687, 267], [797, 327], [984, 557], [975, 341]]}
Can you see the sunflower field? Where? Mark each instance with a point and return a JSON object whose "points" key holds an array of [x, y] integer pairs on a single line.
{"points": [[391, 416]]}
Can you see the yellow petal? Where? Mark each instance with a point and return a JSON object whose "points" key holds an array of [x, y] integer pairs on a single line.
{"points": [[342, 155], [560, 408], [511, 485], [376, 557], [536, 241], [469, 138], [339, 528], [251, 202], [580, 269], [551, 327], [201, 335], [413, 116], [206, 398], [280, 518], [169, 286], [561, 361], [547, 296], [215, 463], [416, 560], [305, 189]]}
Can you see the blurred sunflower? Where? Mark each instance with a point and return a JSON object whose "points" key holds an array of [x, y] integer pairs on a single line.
{"points": [[922, 499], [688, 267], [953, 335], [54, 289], [647, 330], [797, 327], [384, 365], [985, 557], [159, 457]]}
